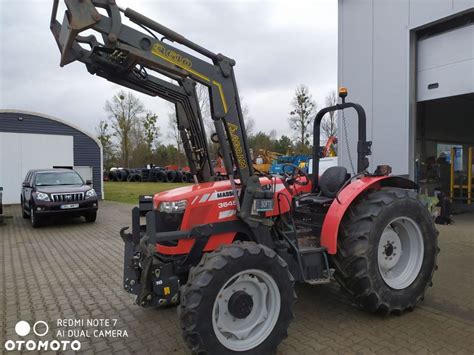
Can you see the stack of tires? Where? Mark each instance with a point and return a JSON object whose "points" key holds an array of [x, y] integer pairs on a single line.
{"points": [[149, 175], [134, 175], [145, 175]]}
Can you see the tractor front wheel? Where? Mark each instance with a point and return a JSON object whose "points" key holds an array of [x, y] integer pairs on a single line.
{"points": [[387, 248], [238, 299]]}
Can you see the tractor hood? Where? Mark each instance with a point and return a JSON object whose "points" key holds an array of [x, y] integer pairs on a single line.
{"points": [[192, 191], [210, 191]]}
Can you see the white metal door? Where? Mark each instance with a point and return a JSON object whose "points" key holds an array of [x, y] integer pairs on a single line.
{"points": [[85, 172], [21, 152], [10, 167], [446, 64]]}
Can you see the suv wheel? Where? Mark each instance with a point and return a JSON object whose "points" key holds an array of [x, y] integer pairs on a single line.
{"points": [[23, 212], [91, 217], [35, 221]]}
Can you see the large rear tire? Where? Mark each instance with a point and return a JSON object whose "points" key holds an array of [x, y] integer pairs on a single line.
{"points": [[387, 249], [239, 299]]}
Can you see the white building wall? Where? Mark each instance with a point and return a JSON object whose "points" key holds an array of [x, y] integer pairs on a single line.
{"points": [[375, 60], [20, 152]]}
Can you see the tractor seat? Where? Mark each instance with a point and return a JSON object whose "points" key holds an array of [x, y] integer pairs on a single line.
{"points": [[329, 184]]}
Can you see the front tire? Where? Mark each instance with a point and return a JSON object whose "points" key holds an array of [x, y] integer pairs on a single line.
{"points": [[91, 217], [387, 249], [239, 299], [34, 219]]}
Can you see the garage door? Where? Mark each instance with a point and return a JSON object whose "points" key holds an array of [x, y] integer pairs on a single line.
{"points": [[446, 64], [20, 152]]}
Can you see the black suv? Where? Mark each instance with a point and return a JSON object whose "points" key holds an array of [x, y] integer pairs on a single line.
{"points": [[57, 192]]}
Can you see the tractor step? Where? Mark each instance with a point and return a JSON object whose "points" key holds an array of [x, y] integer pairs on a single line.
{"points": [[324, 280], [315, 265]]}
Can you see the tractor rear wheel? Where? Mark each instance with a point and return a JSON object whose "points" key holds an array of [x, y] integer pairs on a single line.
{"points": [[238, 299], [387, 249]]}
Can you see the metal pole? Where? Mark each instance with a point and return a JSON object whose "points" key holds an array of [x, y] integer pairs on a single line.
{"points": [[1, 206], [451, 180], [470, 164]]}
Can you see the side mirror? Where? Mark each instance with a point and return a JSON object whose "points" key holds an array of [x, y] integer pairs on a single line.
{"points": [[26, 184], [89, 182]]}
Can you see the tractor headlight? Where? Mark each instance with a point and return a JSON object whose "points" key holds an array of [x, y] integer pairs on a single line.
{"points": [[41, 196], [173, 206], [91, 193]]}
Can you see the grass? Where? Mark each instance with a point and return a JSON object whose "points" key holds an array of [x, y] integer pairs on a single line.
{"points": [[128, 192]]}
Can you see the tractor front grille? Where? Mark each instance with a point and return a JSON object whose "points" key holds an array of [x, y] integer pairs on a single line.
{"points": [[68, 197], [168, 222]]}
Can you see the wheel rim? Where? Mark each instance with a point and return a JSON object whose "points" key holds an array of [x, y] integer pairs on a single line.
{"points": [[400, 253], [241, 324]]}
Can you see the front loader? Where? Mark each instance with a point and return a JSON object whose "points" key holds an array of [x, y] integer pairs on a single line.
{"points": [[228, 253]]}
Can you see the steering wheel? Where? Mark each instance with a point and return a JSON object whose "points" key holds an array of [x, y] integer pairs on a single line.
{"points": [[291, 177]]}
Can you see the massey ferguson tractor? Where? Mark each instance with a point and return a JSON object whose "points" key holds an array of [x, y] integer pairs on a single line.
{"points": [[228, 253]]}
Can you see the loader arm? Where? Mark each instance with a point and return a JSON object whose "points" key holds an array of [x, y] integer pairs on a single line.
{"points": [[123, 50]]}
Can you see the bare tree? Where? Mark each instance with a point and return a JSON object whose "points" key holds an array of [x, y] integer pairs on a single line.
{"points": [[329, 122], [151, 130], [248, 120], [173, 131], [204, 104], [203, 100], [302, 115], [104, 135], [124, 111]]}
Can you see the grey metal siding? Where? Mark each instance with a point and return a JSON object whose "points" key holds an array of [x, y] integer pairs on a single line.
{"points": [[86, 150], [375, 62]]}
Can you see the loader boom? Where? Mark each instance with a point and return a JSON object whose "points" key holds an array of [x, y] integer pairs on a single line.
{"points": [[122, 52]]}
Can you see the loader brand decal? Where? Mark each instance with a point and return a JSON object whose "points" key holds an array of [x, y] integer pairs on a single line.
{"points": [[177, 59], [237, 146], [172, 56]]}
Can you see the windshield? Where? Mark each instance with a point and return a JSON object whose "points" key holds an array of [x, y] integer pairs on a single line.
{"points": [[58, 178]]}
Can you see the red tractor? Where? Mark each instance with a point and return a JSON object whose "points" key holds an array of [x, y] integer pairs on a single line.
{"points": [[229, 252]]}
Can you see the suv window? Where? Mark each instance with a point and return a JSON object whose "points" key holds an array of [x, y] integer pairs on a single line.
{"points": [[27, 177], [58, 178]]}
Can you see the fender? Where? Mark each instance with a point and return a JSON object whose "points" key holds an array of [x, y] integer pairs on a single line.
{"points": [[345, 198]]}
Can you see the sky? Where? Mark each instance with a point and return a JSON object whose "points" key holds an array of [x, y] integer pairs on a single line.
{"points": [[277, 45]]}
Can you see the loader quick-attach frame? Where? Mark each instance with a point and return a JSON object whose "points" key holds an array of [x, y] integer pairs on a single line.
{"points": [[156, 279]]}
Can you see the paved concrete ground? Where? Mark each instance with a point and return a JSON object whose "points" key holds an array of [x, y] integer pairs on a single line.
{"points": [[73, 270]]}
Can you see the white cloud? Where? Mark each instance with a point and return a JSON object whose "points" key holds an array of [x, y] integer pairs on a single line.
{"points": [[277, 45]]}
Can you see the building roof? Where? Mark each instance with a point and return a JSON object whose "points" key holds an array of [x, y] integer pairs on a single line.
{"points": [[31, 113]]}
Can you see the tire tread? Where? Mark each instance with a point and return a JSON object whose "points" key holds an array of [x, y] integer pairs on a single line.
{"points": [[351, 261]]}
